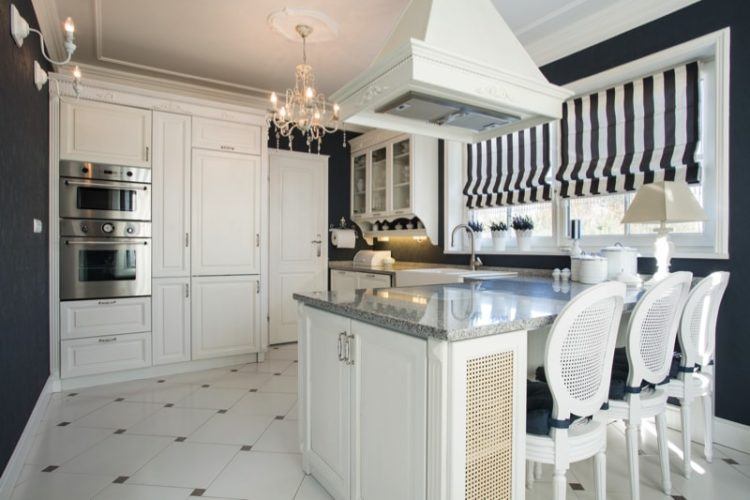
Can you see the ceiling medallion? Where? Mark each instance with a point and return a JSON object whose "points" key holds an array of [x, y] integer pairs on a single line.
{"points": [[304, 108]]}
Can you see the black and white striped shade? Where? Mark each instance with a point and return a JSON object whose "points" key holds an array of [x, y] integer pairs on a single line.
{"points": [[510, 170], [637, 133]]}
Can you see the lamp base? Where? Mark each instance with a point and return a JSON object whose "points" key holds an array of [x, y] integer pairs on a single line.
{"points": [[663, 250]]}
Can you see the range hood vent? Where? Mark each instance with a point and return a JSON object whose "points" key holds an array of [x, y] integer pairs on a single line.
{"points": [[453, 72]]}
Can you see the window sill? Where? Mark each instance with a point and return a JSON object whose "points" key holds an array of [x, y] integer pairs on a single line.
{"points": [[694, 253]]}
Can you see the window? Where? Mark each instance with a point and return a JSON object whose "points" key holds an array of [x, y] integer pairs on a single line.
{"points": [[601, 215]]}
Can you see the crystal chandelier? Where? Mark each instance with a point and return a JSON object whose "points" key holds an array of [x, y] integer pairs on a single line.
{"points": [[304, 108]]}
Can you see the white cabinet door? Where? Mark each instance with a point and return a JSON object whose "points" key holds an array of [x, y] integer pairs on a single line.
{"points": [[372, 280], [171, 195], [326, 402], [342, 281], [225, 213], [226, 136], [226, 316], [105, 133], [105, 354], [93, 318], [171, 320], [390, 384]]}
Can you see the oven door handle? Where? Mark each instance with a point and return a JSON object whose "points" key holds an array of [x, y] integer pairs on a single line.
{"points": [[107, 185], [109, 243]]}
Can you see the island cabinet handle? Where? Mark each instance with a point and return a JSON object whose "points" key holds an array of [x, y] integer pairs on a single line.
{"points": [[342, 336], [349, 349]]}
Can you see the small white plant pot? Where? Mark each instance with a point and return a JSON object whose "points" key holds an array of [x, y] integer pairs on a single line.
{"points": [[523, 238], [498, 241], [477, 241]]}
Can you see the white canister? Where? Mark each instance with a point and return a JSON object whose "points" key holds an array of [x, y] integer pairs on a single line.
{"points": [[589, 269], [498, 241], [621, 261]]}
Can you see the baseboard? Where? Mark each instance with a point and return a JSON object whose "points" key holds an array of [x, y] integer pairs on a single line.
{"points": [[15, 464], [726, 433], [67, 384]]}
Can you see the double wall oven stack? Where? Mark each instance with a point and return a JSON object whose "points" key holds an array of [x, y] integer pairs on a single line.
{"points": [[105, 231]]}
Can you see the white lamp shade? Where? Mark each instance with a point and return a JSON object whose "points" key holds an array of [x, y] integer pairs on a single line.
{"points": [[665, 201]]}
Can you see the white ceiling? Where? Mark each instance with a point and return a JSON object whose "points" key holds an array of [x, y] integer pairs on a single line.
{"points": [[229, 44]]}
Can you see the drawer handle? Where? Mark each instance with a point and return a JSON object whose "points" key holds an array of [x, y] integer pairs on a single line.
{"points": [[107, 302], [108, 340], [227, 148]]}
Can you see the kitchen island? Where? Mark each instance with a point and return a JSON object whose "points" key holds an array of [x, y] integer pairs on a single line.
{"points": [[420, 392]]}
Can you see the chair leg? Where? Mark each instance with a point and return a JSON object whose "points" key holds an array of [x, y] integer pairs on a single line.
{"points": [[708, 419], [537, 470], [600, 475], [529, 474], [631, 433], [640, 437], [661, 435], [560, 484], [686, 437]]}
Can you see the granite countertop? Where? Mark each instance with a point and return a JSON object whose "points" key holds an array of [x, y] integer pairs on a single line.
{"points": [[457, 311], [348, 265]]}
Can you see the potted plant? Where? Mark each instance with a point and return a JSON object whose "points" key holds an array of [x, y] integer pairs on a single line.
{"points": [[478, 229], [498, 230], [524, 227]]}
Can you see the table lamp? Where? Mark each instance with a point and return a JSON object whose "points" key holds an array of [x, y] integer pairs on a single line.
{"points": [[663, 202]]}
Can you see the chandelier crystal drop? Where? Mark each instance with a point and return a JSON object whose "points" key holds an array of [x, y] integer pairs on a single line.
{"points": [[304, 108]]}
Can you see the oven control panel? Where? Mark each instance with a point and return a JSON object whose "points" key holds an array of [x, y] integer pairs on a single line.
{"points": [[94, 228]]}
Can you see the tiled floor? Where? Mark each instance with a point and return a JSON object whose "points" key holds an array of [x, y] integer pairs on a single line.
{"points": [[231, 433]]}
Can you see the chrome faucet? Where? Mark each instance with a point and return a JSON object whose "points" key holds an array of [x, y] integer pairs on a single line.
{"points": [[475, 261]]}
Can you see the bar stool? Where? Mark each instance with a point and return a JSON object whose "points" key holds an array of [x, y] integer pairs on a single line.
{"points": [[697, 339], [651, 336], [578, 364]]}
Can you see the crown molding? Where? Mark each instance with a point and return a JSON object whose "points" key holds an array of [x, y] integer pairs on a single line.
{"points": [[600, 26]]}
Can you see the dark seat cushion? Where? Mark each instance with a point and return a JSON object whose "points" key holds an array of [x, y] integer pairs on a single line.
{"points": [[538, 408]]}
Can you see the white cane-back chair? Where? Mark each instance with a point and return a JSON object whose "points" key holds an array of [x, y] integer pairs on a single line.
{"points": [[651, 336], [578, 364], [697, 339]]}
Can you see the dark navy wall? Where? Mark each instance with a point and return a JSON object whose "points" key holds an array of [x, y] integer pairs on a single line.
{"points": [[706, 16], [24, 306]]}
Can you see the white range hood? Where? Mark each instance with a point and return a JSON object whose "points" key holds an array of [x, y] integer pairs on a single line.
{"points": [[451, 69]]}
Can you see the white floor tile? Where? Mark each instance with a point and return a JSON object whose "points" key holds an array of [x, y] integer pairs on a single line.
{"points": [[292, 371], [118, 390], [217, 398], [264, 403], [736, 455], [312, 490], [118, 415], [202, 377], [27, 471], [282, 354], [55, 445], [118, 455], [268, 366], [259, 476], [294, 412], [232, 428], [57, 486], [163, 393], [242, 380], [173, 422], [141, 492], [280, 384], [69, 408], [189, 465], [281, 436]]}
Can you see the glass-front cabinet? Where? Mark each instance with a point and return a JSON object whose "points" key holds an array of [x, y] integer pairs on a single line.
{"points": [[359, 184], [379, 169], [401, 176]]}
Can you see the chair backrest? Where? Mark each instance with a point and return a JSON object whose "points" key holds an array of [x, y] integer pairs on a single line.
{"points": [[698, 327], [653, 328], [580, 348]]}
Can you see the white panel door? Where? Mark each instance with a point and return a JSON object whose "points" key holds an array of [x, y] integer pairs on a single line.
{"points": [[105, 133], [225, 213], [171, 320], [390, 383], [171, 195], [93, 318], [327, 402], [298, 237], [226, 136], [225, 316], [342, 281]]}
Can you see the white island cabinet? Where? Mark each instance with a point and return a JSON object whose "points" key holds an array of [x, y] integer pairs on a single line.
{"points": [[389, 415]]}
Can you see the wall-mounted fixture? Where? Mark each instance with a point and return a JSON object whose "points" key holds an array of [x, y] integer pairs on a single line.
{"points": [[20, 29]]}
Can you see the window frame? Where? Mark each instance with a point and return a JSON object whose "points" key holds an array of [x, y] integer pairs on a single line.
{"points": [[713, 52]]}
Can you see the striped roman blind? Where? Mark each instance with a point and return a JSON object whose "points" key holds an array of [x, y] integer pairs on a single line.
{"points": [[510, 170], [641, 132]]}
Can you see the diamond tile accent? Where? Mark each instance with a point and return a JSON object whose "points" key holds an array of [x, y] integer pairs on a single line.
{"points": [[198, 492], [169, 405], [576, 486], [279, 417], [120, 399], [63, 424], [120, 431], [247, 447], [121, 479], [50, 468], [731, 461], [221, 411], [180, 439]]}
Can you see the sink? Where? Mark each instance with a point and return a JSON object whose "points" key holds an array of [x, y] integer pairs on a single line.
{"points": [[444, 275]]}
